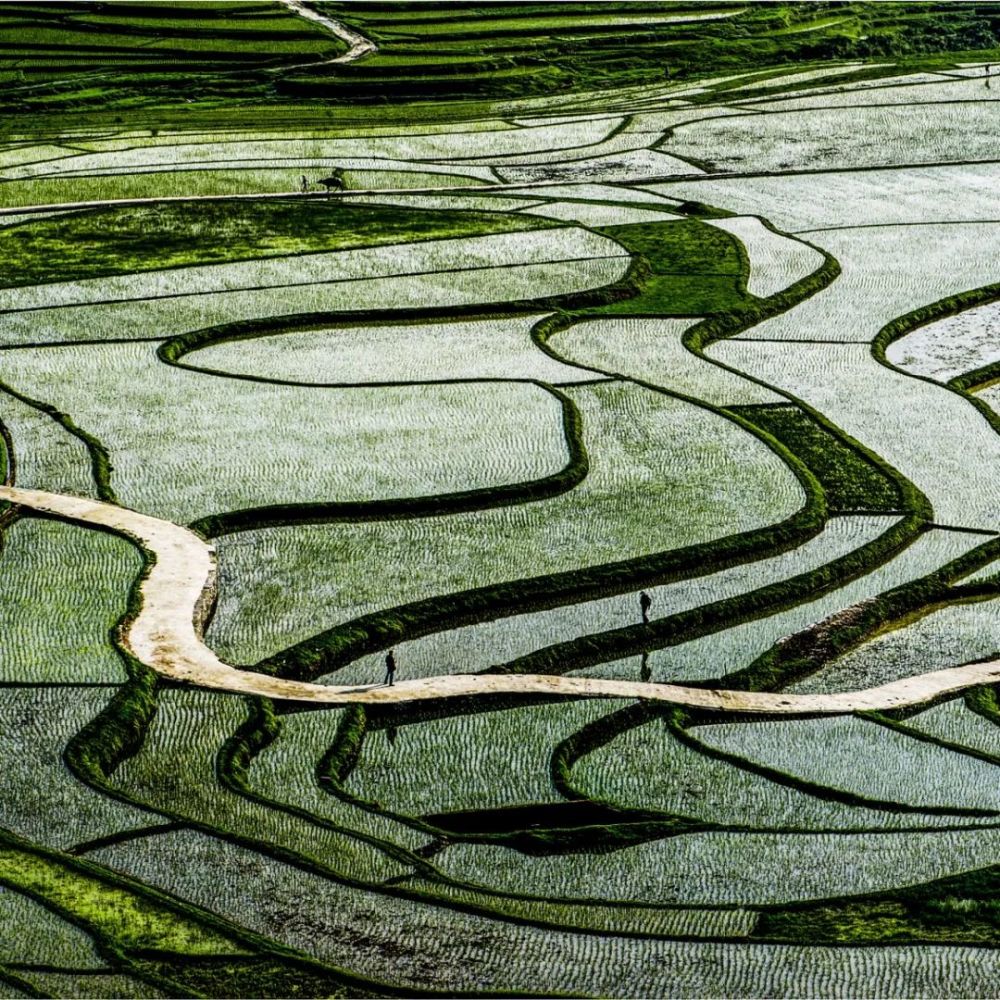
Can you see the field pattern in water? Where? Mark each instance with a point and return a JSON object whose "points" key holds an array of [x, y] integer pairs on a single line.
{"points": [[669, 382]]}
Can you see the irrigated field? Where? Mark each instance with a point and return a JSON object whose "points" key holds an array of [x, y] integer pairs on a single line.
{"points": [[648, 417]]}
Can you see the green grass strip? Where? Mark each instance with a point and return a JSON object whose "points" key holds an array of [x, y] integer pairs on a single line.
{"points": [[132, 239], [984, 702], [853, 482]]}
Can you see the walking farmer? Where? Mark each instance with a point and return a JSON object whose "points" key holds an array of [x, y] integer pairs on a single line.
{"points": [[645, 603], [390, 668]]}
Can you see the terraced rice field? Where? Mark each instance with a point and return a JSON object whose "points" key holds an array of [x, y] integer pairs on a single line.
{"points": [[649, 420]]}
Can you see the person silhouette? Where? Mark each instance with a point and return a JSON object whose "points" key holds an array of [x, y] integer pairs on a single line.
{"points": [[390, 668], [645, 603], [644, 670]]}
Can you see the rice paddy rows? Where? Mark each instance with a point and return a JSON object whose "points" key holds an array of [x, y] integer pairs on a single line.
{"points": [[907, 770], [883, 276], [951, 346], [638, 496], [486, 348], [286, 772], [255, 444], [774, 264], [44, 801], [839, 137], [440, 290], [955, 723], [596, 215], [613, 167], [655, 771], [45, 454], [660, 843], [175, 772], [443, 146], [726, 652], [503, 760], [956, 634], [35, 935], [889, 197], [846, 383], [465, 255], [909, 88], [991, 396], [653, 350], [743, 868], [445, 948], [478, 647], [64, 589]]}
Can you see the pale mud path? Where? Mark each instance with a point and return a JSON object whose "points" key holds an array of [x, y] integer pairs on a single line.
{"points": [[166, 635], [359, 45]]}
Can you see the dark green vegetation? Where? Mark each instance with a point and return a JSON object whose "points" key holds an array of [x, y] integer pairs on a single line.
{"points": [[963, 907], [123, 240], [86, 53], [456, 51], [694, 269], [64, 56], [853, 482]]}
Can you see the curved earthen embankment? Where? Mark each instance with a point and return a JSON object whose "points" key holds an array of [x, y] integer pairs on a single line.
{"points": [[166, 635]]}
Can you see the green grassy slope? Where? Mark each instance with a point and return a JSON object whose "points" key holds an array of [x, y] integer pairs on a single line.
{"points": [[56, 57], [455, 50]]}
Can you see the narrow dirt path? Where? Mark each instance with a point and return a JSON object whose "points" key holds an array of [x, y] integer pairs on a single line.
{"points": [[166, 635], [359, 46]]}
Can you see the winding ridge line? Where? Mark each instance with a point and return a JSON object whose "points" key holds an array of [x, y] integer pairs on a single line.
{"points": [[179, 585]]}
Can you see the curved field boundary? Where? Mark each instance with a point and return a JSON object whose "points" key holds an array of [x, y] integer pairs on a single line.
{"points": [[963, 385], [179, 585], [437, 505]]}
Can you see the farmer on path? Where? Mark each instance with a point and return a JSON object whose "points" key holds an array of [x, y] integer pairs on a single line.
{"points": [[390, 668], [305, 184], [645, 603]]}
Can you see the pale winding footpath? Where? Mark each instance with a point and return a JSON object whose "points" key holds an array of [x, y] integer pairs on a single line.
{"points": [[359, 45], [166, 635]]}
